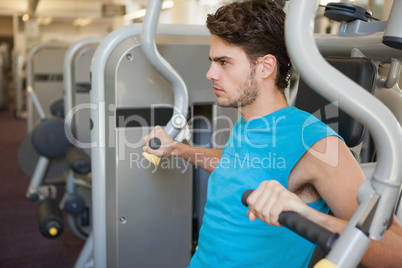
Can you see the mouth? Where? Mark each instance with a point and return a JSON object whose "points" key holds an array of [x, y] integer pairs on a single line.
{"points": [[217, 90]]}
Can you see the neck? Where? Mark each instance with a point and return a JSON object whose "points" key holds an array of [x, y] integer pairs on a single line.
{"points": [[264, 104]]}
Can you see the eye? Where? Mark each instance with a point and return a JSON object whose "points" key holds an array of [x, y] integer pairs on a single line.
{"points": [[223, 62]]}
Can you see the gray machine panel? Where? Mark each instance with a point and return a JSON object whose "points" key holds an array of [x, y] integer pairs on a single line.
{"points": [[81, 86], [149, 210], [46, 78]]}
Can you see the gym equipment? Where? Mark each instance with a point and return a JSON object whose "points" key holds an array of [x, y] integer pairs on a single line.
{"points": [[45, 76], [393, 32], [18, 81], [125, 88], [365, 44], [131, 98], [178, 120], [313, 232], [50, 142], [77, 197], [51, 223], [4, 76], [77, 86], [378, 195], [363, 72]]}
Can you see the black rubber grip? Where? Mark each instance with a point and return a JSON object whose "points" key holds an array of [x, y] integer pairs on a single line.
{"points": [[155, 143], [245, 196], [304, 227]]}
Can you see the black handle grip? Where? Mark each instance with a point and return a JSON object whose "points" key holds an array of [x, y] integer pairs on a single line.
{"points": [[155, 143], [304, 227], [245, 196]]}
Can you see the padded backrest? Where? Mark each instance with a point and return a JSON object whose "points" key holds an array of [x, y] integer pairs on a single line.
{"points": [[360, 70]]}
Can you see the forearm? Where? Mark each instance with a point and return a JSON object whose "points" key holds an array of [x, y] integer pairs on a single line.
{"points": [[204, 158], [385, 253]]}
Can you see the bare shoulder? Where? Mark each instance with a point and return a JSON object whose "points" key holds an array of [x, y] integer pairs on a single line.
{"points": [[331, 170], [324, 154]]}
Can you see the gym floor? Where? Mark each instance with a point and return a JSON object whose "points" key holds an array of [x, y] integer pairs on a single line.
{"points": [[21, 244]]}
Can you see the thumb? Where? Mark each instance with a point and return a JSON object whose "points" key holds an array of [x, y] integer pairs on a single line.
{"points": [[251, 215], [146, 138]]}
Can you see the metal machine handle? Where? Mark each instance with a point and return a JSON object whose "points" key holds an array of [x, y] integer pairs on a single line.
{"points": [[36, 103], [148, 45], [382, 124]]}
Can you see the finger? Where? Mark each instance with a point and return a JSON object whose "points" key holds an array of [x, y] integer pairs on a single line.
{"points": [[266, 208], [282, 198], [270, 213], [251, 215], [259, 198], [158, 129], [148, 149], [262, 202], [252, 198], [149, 136], [269, 206]]}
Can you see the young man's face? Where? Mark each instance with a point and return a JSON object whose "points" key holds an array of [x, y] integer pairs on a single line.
{"points": [[232, 76]]}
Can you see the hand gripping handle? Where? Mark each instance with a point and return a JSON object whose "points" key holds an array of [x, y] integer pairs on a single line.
{"points": [[155, 144], [304, 227]]}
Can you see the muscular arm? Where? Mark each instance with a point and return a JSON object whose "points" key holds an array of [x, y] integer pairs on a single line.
{"points": [[386, 253], [332, 171], [205, 158]]}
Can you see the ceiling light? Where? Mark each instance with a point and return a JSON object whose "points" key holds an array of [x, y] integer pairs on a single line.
{"points": [[82, 21], [25, 17], [141, 13], [325, 2], [44, 20]]}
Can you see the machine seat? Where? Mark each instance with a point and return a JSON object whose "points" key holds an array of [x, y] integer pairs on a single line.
{"points": [[49, 138]]}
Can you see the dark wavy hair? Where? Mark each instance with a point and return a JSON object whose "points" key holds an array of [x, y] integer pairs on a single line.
{"points": [[256, 26]]}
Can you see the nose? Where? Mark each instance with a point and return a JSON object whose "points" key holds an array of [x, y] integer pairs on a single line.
{"points": [[212, 74]]}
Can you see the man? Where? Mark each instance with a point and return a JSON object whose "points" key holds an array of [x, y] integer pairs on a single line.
{"points": [[313, 166]]}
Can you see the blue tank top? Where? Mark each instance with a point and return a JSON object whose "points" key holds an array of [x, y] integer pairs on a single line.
{"points": [[266, 148]]}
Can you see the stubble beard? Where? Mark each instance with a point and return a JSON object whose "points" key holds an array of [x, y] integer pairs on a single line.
{"points": [[249, 93]]}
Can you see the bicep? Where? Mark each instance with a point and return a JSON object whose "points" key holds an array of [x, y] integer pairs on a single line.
{"points": [[335, 174]]}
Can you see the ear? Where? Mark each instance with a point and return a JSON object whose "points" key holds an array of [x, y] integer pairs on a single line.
{"points": [[268, 65]]}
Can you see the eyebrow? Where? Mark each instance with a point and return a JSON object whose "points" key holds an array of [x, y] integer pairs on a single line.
{"points": [[222, 58]]}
